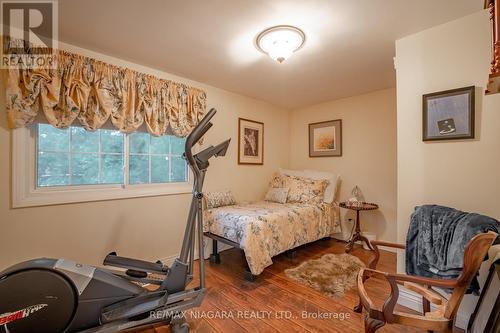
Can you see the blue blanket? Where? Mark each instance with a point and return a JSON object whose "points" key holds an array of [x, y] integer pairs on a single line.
{"points": [[436, 241]]}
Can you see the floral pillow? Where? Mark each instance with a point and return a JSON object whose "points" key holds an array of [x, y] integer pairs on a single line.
{"points": [[306, 190], [277, 181], [219, 199], [302, 190], [277, 194]]}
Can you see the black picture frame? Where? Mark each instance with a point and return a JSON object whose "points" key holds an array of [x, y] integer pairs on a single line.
{"points": [[449, 115], [258, 128]]}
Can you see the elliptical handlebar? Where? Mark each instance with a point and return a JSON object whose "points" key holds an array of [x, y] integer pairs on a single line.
{"points": [[195, 136], [183, 264]]}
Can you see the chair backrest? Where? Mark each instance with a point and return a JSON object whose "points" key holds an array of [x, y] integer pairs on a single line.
{"points": [[475, 251]]}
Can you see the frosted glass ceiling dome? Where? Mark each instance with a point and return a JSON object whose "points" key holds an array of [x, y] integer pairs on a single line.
{"points": [[280, 42]]}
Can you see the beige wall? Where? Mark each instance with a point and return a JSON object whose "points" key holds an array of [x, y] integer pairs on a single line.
{"points": [[151, 227], [369, 153], [148, 228], [463, 174]]}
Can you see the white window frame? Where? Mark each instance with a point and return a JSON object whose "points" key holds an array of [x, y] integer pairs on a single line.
{"points": [[26, 193]]}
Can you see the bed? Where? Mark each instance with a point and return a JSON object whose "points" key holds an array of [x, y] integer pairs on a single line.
{"points": [[265, 229]]}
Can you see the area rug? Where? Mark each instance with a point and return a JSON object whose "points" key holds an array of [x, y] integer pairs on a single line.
{"points": [[332, 274]]}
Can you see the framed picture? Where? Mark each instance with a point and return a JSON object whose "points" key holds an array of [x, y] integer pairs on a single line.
{"points": [[325, 138], [250, 142], [449, 115]]}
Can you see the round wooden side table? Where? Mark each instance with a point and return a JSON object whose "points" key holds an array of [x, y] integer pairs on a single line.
{"points": [[356, 235]]}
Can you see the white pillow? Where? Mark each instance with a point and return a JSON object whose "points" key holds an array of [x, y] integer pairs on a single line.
{"points": [[294, 173], [332, 178]]}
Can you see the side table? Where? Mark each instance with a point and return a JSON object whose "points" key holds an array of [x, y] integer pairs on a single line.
{"points": [[356, 235]]}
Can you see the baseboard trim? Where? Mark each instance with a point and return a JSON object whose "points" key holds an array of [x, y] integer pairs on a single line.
{"points": [[169, 260], [413, 301], [388, 249], [342, 239], [207, 251]]}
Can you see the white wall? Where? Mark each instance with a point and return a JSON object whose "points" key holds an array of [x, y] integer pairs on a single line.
{"points": [[462, 174], [368, 154], [148, 228]]}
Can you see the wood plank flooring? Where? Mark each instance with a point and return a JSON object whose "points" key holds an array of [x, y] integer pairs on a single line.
{"points": [[281, 305]]}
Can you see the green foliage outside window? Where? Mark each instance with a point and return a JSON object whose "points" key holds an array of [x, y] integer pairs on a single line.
{"points": [[75, 156]]}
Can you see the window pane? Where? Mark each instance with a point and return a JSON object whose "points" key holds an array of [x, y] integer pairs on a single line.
{"points": [[84, 169], [159, 169], [111, 169], [83, 157], [52, 139], [75, 156], [164, 155], [112, 141], [159, 145], [177, 145], [139, 169], [84, 141], [53, 169], [139, 143], [179, 170]]}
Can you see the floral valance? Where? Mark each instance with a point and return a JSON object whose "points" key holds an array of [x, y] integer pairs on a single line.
{"points": [[92, 92]]}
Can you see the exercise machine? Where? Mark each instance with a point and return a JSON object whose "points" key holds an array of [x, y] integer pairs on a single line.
{"points": [[59, 295]]}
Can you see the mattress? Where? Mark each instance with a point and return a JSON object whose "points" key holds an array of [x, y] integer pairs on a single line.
{"points": [[265, 229]]}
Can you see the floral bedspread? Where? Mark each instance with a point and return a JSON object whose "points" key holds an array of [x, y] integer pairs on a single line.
{"points": [[265, 229]]}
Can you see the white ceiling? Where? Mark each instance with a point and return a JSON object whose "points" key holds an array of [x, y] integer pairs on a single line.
{"points": [[348, 51]]}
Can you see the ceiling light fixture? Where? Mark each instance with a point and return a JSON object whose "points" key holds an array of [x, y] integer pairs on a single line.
{"points": [[281, 41]]}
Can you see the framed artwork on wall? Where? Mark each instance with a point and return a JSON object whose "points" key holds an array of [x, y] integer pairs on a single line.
{"points": [[250, 142], [325, 138], [449, 115]]}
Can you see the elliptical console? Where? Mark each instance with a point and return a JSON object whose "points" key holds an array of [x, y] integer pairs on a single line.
{"points": [[59, 295]]}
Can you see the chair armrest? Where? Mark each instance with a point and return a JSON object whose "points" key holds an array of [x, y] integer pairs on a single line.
{"points": [[442, 283], [393, 279], [388, 244], [376, 253], [363, 295], [387, 313], [362, 271]]}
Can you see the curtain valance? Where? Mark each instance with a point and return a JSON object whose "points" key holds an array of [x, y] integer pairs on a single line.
{"points": [[91, 91]]}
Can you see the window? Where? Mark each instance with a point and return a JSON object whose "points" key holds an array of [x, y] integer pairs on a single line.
{"points": [[53, 165], [156, 159], [75, 156]]}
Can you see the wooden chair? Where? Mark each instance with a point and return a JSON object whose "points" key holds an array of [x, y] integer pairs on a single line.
{"points": [[440, 319]]}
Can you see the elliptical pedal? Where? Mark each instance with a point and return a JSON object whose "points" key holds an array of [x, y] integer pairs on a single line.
{"points": [[179, 325], [136, 274], [112, 259]]}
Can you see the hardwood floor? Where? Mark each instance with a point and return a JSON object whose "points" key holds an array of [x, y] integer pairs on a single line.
{"points": [[274, 303]]}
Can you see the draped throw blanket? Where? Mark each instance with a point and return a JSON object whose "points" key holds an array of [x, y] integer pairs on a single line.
{"points": [[436, 241], [92, 92]]}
